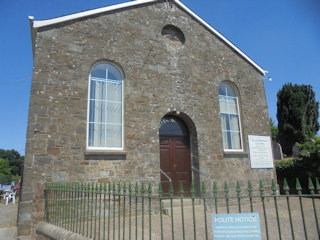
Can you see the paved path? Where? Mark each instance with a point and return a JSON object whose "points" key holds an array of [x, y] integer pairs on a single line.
{"points": [[8, 221]]}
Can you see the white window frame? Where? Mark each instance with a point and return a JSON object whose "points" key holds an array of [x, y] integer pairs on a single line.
{"points": [[239, 119], [122, 112]]}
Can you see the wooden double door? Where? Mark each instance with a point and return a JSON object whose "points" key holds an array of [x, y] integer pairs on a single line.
{"points": [[175, 159]]}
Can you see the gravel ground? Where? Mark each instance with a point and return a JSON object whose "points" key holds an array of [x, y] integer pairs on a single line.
{"points": [[8, 221]]}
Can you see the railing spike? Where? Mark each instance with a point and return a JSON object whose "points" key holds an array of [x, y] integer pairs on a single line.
{"points": [[171, 189], [130, 188], [136, 189], [101, 187], [298, 186], [109, 187], [285, 187], [226, 188], [105, 187], [310, 185], [238, 188], [274, 187], [250, 188], [317, 186], [160, 190], [261, 188], [124, 187], [114, 188], [143, 190], [181, 190], [215, 188], [149, 190], [119, 187], [192, 189], [203, 189]]}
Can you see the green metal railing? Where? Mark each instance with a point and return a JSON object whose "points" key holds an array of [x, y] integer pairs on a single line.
{"points": [[126, 211]]}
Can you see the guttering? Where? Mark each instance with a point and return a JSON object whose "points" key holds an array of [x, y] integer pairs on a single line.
{"points": [[33, 33], [52, 21]]}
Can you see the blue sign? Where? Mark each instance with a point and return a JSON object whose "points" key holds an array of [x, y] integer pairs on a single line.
{"points": [[236, 226]]}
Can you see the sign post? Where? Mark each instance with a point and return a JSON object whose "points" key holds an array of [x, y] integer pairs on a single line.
{"points": [[244, 226]]}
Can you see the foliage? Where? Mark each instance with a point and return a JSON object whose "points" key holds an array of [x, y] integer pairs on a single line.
{"points": [[274, 131], [310, 157], [285, 163], [297, 115], [4, 179], [4, 167], [14, 159], [15, 178], [307, 165]]}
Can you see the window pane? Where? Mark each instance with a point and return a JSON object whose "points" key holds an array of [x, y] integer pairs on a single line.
{"points": [[226, 136], [232, 106], [114, 135], [97, 111], [236, 143], [226, 90], [113, 73], [114, 113], [96, 135], [225, 125], [114, 91], [99, 71], [97, 90], [172, 126], [234, 123], [223, 104]]}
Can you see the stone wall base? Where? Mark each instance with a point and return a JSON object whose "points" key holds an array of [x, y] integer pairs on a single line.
{"points": [[47, 231]]}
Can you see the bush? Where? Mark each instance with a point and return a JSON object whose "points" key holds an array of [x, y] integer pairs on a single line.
{"points": [[289, 168], [310, 157], [307, 165], [4, 179]]}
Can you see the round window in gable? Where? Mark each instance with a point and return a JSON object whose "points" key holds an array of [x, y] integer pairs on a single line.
{"points": [[173, 34]]}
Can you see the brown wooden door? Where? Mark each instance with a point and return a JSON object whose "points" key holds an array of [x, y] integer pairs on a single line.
{"points": [[175, 157]]}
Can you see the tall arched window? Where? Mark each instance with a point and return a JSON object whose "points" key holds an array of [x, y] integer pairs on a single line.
{"points": [[105, 128], [230, 120]]}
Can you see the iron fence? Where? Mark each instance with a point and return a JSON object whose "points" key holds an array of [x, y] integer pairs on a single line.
{"points": [[132, 211]]}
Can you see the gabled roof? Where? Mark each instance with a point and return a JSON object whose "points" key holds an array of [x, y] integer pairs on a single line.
{"points": [[43, 23]]}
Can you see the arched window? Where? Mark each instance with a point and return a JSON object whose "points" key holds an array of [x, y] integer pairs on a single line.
{"points": [[230, 120], [105, 128]]}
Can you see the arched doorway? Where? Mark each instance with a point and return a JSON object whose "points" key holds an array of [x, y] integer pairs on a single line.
{"points": [[175, 161]]}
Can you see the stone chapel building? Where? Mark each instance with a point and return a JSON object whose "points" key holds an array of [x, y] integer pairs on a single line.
{"points": [[140, 91]]}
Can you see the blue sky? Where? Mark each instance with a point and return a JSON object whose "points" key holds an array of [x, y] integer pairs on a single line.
{"points": [[283, 37]]}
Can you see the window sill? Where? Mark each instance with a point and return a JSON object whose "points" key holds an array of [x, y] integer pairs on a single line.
{"points": [[105, 155], [235, 154]]}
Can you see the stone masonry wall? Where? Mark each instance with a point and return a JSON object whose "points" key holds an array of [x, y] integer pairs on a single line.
{"points": [[160, 76]]}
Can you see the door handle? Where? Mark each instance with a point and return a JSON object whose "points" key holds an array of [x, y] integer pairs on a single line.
{"points": [[174, 166]]}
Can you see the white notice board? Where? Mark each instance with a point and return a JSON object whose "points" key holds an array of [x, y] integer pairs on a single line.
{"points": [[260, 151]]}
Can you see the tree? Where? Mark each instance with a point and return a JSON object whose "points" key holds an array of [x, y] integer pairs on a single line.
{"points": [[274, 131], [14, 159], [297, 114], [4, 167]]}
